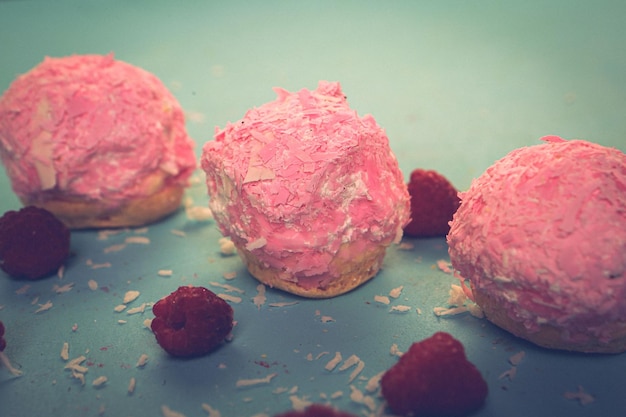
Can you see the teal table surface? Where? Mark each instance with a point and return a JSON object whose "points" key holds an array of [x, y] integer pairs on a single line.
{"points": [[455, 84]]}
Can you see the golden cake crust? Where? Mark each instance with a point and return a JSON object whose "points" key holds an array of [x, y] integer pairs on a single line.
{"points": [[549, 336], [352, 272], [84, 214]]}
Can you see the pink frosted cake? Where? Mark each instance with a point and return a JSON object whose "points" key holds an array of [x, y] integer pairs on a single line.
{"points": [[97, 142], [309, 192], [541, 237]]}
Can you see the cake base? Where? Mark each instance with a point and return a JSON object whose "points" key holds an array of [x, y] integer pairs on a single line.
{"points": [[82, 214], [549, 336], [353, 272]]}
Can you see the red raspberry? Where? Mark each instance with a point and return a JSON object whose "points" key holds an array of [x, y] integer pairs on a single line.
{"points": [[33, 243], [434, 378], [316, 410], [434, 201], [191, 321]]}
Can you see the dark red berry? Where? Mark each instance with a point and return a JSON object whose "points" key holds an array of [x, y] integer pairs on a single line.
{"points": [[316, 410], [434, 378], [191, 321], [434, 201], [33, 243]]}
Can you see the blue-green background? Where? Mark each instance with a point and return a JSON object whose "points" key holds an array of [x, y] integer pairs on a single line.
{"points": [[456, 85]]}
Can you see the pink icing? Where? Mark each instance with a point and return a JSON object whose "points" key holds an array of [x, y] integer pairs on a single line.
{"points": [[88, 126], [543, 230], [298, 177]]}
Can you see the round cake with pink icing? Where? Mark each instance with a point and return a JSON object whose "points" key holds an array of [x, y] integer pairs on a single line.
{"points": [[541, 238], [96, 141], [309, 192]]}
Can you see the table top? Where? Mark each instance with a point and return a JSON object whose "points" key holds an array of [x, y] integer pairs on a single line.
{"points": [[456, 85]]}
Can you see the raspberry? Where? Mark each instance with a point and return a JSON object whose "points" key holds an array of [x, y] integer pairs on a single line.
{"points": [[434, 201], [33, 243], [191, 321], [316, 410], [434, 378]]}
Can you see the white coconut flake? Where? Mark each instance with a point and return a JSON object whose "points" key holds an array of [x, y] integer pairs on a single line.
{"points": [[138, 309], [119, 308], [76, 361], [229, 275], [179, 233], [374, 382], [453, 311], [76, 368], [80, 376], [65, 351], [396, 292], [383, 299], [92, 284], [319, 355], [122, 321], [327, 319], [351, 361], [231, 298], [583, 397], [255, 381], [60, 289], [259, 299], [132, 384], [299, 403], [165, 272], [104, 234], [444, 266], [101, 380], [228, 288], [336, 394], [517, 358], [44, 307], [227, 247], [168, 412], [358, 397], [198, 213], [359, 368], [394, 351], [457, 296], [256, 244], [509, 373], [131, 296], [400, 308], [212, 412], [141, 362], [115, 248], [332, 364], [283, 304], [23, 289], [141, 240]]}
